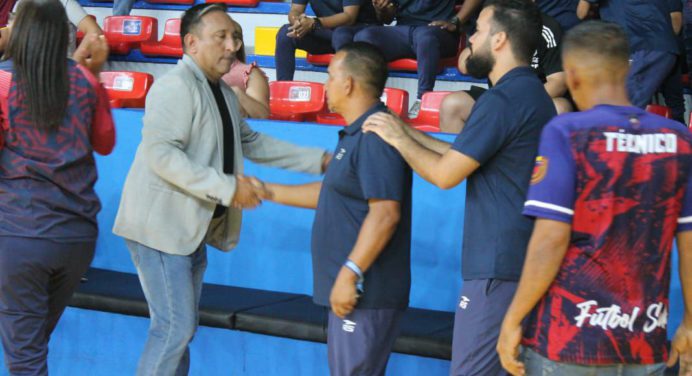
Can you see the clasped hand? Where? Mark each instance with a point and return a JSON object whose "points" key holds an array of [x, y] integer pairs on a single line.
{"points": [[249, 193]]}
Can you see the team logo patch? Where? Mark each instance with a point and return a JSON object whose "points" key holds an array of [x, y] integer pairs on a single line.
{"points": [[539, 170]]}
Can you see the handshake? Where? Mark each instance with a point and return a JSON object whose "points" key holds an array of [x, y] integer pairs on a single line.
{"points": [[249, 193]]}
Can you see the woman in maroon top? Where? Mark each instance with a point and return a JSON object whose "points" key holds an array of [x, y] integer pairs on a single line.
{"points": [[53, 115]]}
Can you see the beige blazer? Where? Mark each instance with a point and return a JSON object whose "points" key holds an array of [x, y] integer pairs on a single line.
{"points": [[177, 179]]}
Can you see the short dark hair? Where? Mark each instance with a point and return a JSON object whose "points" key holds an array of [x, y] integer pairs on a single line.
{"points": [[603, 39], [193, 17], [521, 21], [367, 63]]}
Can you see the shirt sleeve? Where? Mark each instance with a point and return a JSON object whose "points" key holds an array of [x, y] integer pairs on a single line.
{"points": [[350, 3], [487, 129], [674, 6], [552, 62], [552, 191], [382, 172], [75, 12], [301, 2], [102, 125], [685, 218]]}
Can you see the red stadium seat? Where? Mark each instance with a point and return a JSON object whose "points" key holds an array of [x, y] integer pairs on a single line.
{"points": [[411, 65], [184, 2], [395, 99], [426, 128], [323, 59], [170, 45], [659, 110], [127, 32], [295, 100], [237, 3], [429, 114], [127, 89]]}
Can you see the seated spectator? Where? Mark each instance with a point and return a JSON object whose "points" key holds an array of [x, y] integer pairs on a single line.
{"points": [[425, 30], [652, 43], [456, 107], [248, 81], [56, 115], [671, 88], [316, 34], [563, 11]]}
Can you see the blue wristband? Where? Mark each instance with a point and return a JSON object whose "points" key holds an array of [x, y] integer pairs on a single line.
{"points": [[356, 269]]}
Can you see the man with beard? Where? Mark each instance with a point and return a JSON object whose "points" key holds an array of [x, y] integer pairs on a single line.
{"points": [[456, 107], [496, 153]]}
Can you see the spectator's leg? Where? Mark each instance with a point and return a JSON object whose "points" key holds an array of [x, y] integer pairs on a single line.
{"points": [[344, 34], [317, 42], [393, 41], [673, 92], [361, 343], [169, 285], [647, 72], [122, 7], [25, 272], [454, 111], [431, 44]]}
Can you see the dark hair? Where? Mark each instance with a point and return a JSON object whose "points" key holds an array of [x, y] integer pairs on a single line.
{"points": [[38, 49], [240, 55], [605, 39], [367, 63], [521, 21], [193, 17]]}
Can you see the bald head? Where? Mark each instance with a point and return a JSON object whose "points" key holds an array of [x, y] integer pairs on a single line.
{"points": [[597, 49]]}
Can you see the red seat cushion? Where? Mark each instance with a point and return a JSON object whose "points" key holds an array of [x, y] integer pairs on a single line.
{"points": [[429, 113], [238, 3], [659, 110], [320, 59]]}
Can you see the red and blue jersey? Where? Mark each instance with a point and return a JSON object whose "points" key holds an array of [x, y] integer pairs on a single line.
{"points": [[621, 177], [47, 177]]}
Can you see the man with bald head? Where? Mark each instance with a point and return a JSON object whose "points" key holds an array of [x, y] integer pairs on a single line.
{"points": [[362, 231], [610, 189], [185, 190]]}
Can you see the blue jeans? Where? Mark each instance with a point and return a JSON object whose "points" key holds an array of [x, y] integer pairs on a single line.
{"points": [[538, 365], [172, 285], [122, 7]]}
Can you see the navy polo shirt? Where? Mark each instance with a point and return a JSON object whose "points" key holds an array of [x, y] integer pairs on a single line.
{"points": [[364, 167], [326, 8], [422, 12], [647, 23], [502, 134], [563, 11]]}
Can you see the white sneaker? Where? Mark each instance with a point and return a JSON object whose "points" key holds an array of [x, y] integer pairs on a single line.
{"points": [[413, 112]]}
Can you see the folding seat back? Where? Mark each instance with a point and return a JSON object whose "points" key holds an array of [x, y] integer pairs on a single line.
{"points": [[127, 89], [322, 59], [396, 100], [659, 110], [124, 33], [429, 113], [295, 100], [170, 45]]}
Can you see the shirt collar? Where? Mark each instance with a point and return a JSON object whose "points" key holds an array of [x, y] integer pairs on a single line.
{"points": [[516, 72], [354, 127], [187, 60]]}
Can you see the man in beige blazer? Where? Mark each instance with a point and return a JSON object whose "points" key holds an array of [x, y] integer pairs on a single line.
{"points": [[183, 190]]}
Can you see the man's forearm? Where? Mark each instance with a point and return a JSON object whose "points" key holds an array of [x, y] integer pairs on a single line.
{"points": [[302, 196], [468, 8], [583, 9], [339, 19], [555, 85], [438, 146], [685, 267], [376, 231]]}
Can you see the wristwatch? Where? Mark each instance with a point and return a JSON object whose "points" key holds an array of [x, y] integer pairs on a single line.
{"points": [[456, 22], [317, 24]]}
